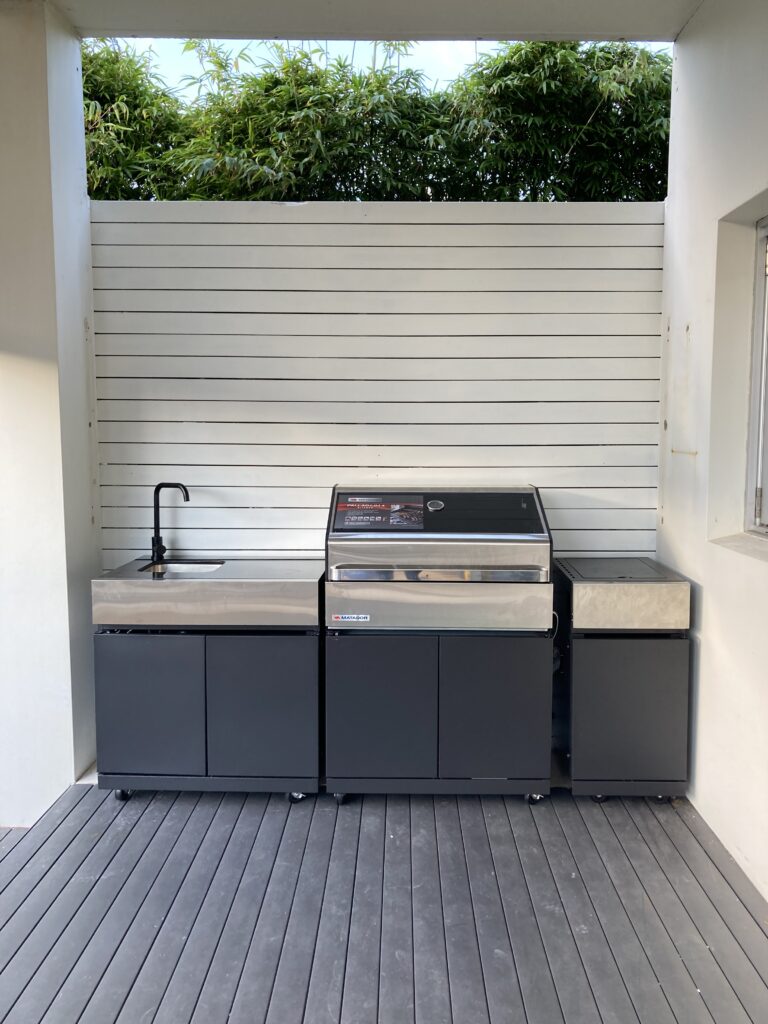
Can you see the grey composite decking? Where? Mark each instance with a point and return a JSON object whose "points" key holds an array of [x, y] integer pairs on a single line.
{"points": [[177, 908]]}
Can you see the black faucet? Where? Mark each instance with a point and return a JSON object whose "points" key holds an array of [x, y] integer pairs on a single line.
{"points": [[158, 548]]}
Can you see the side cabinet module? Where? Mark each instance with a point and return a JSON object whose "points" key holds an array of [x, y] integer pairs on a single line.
{"points": [[628, 672]]}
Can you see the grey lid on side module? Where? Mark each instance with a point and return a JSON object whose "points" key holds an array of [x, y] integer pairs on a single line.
{"points": [[618, 569]]}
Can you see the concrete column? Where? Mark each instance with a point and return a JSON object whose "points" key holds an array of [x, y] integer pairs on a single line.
{"points": [[47, 531]]}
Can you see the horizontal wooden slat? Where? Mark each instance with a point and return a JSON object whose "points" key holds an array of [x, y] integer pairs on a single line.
{"points": [[565, 389], [112, 558], [244, 368], [286, 540], [380, 303], [377, 213], [360, 476], [354, 280], [458, 413], [384, 455], [190, 517], [382, 434], [406, 347], [394, 323], [266, 498], [449, 257], [338, 233]]}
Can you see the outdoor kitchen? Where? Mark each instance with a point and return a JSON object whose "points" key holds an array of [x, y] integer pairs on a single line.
{"points": [[383, 451], [423, 656]]}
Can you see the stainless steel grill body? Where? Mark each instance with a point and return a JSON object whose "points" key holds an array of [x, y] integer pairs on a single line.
{"points": [[457, 559]]}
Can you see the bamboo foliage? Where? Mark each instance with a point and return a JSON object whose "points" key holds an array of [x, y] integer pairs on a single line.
{"points": [[533, 121]]}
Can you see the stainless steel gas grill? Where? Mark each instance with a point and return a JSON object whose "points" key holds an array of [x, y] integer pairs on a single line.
{"points": [[454, 559], [438, 608]]}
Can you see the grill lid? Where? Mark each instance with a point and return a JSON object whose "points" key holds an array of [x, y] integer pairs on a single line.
{"points": [[468, 534]]}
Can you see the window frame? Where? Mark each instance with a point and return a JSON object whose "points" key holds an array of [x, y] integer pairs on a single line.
{"points": [[756, 506]]}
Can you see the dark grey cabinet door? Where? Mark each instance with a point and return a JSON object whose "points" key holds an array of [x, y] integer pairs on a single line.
{"points": [[262, 705], [150, 704], [629, 708], [495, 707], [381, 707]]}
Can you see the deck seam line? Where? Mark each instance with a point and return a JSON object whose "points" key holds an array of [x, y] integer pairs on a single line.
{"points": [[717, 867], [706, 893], [533, 908], [170, 908], [39, 821], [351, 909], [504, 916], [381, 900], [135, 915], [290, 909], [6, 841], [214, 872], [442, 915], [565, 913], [73, 914], [631, 923], [258, 915], [319, 917], [227, 915], [658, 916], [472, 909], [52, 866], [661, 920], [696, 928], [98, 923], [46, 841], [594, 911], [535, 914], [410, 861]]}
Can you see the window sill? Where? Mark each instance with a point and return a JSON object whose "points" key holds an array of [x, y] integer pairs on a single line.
{"points": [[754, 545]]}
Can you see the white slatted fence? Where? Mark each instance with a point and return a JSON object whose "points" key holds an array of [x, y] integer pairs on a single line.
{"points": [[260, 352]]}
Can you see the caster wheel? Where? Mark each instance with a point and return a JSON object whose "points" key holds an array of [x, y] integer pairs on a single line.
{"points": [[534, 798], [662, 799], [122, 795], [340, 798], [294, 798], [599, 798]]}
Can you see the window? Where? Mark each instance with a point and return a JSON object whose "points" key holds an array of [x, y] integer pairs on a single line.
{"points": [[757, 489]]}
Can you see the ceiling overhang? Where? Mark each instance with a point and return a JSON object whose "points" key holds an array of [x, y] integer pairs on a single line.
{"points": [[652, 20]]}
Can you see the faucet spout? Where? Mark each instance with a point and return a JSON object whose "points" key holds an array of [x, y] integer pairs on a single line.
{"points": [[158, 548]]}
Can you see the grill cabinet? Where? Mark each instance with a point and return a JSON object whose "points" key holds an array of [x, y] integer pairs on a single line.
{"points": [[438, 608]]}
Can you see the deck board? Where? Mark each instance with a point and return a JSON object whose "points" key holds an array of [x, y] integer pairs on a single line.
{"points": [[180, 908], [11, 836], [710, 979], [502, 987], [605, 980], [648, 999]]}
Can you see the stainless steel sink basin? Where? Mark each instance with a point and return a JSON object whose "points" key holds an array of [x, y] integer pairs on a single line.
{"points": [[172, 566]]}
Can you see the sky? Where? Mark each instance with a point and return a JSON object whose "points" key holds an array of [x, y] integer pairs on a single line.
{"points": [[441, 62]]}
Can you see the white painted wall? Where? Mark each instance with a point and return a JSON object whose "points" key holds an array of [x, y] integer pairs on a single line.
{"points": [[45, 513], [718, 190], [262, 352]]}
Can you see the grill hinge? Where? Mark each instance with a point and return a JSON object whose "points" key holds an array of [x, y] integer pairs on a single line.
{"points": [[759, 506]]}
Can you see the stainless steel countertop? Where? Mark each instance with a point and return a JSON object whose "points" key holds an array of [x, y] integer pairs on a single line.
{"points": [[255, 569], [241, 592]]}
